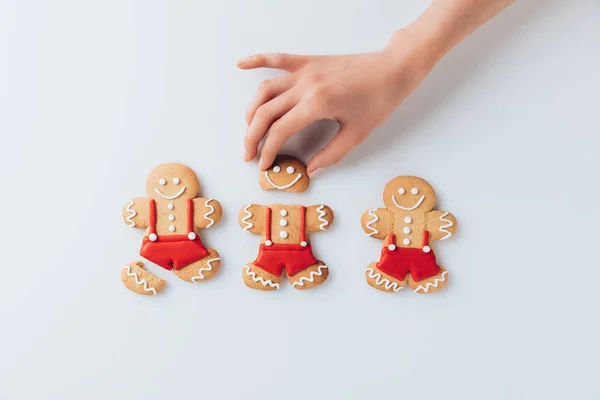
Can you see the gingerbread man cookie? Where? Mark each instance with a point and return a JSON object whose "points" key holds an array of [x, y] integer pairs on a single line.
{"points": [[408, 225], [171, 216], [286, 174], [285, 244]]}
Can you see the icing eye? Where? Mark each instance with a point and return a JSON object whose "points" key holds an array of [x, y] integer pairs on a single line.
{"points": [[290, 170], [276, 168], [401, 191], [162, 181], [176, 181], [414, 190]]}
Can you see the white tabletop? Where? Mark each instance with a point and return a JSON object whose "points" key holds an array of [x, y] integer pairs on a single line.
{"points": [[93, 95]]}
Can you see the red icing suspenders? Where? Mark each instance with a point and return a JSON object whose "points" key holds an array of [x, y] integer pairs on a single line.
{"points": [[268, 214], [153, 236], [424, 246]]}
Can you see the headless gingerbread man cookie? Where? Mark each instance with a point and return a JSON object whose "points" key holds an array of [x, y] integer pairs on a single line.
{"points": [[408, 226], [171, 216], [285, 232]]}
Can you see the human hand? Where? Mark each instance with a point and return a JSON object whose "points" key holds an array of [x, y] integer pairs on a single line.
{"points": [[359, 91]]}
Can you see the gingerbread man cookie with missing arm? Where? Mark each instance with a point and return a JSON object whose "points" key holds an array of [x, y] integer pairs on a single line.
{"points": [[408, 224], [285, 232], [171, 215]]}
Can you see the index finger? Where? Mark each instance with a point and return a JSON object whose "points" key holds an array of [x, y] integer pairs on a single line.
{"points": [[286, 62]]}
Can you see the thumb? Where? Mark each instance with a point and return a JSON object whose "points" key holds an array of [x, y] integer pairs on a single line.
{"points": [[341, 144]]}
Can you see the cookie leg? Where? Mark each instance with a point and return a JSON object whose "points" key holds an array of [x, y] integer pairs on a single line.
{"points": [[429, 285], [257, 278], [310, 277], [201, 270], [382, 281], [135, 278]]}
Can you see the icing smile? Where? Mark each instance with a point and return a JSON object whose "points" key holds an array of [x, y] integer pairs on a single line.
{"points": [[289, 185], [170, 197], [408, 208]]}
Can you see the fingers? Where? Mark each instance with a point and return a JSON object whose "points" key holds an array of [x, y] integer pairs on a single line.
{"points": [[266, 115], [266, 91], [286, 62], [288, 125], [341, 144]]}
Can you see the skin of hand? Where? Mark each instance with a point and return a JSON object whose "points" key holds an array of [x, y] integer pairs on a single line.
{"points": [[359, 91]]}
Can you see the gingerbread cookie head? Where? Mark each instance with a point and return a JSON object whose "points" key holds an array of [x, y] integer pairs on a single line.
{"points": [[286, 174], [409, 193], [172, 181]]}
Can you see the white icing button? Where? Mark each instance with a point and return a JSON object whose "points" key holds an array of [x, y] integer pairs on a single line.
{"points": [[176, 181], [401, 191], [283, 222], [414, 190], [171, 217], [426, 249], [191, 236], [392, 247], [303, 244], [406, 230], [170, 206], [152, 237], [283, 213], [283, 234], [290, 170], [172, 228], [162, 181], [408, 220], [406, 241], [268, 243], [276, 168]]}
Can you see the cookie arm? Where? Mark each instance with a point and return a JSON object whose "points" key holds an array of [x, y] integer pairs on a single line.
{"points": [[377, 222], [207, 212], [135, 212], [318, 218], [252, 218], [440, 224]]}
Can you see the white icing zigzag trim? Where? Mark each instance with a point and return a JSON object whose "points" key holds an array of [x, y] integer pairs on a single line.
{"points": [[374, 231], [311, 278], [408, 208], [249, 225], [320, 217], [208, 267], [260, 279], [435, 283], [137, 281], [448, 225], [289, 185], [379, 280], [210, 212], [132, 214]]}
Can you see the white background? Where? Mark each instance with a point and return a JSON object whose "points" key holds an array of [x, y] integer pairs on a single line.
{"points": [[94, 94]]}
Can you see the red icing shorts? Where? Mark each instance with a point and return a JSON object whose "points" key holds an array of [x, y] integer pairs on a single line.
{"points": [[172, 251], [403, 260], [293, 257]]}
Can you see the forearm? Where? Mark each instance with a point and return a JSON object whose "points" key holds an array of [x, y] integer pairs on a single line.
{"points": [[443, 25]]}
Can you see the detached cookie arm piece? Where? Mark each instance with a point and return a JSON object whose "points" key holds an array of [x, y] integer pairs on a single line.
{"points": [[440, 224], [136, 212], [252, 218], [377, 222], [207, 212], [318, 218]]}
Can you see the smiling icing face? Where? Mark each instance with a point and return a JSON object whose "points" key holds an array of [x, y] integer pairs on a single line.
{"points": [[409, 193], [172, 182], [286, 174]]}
